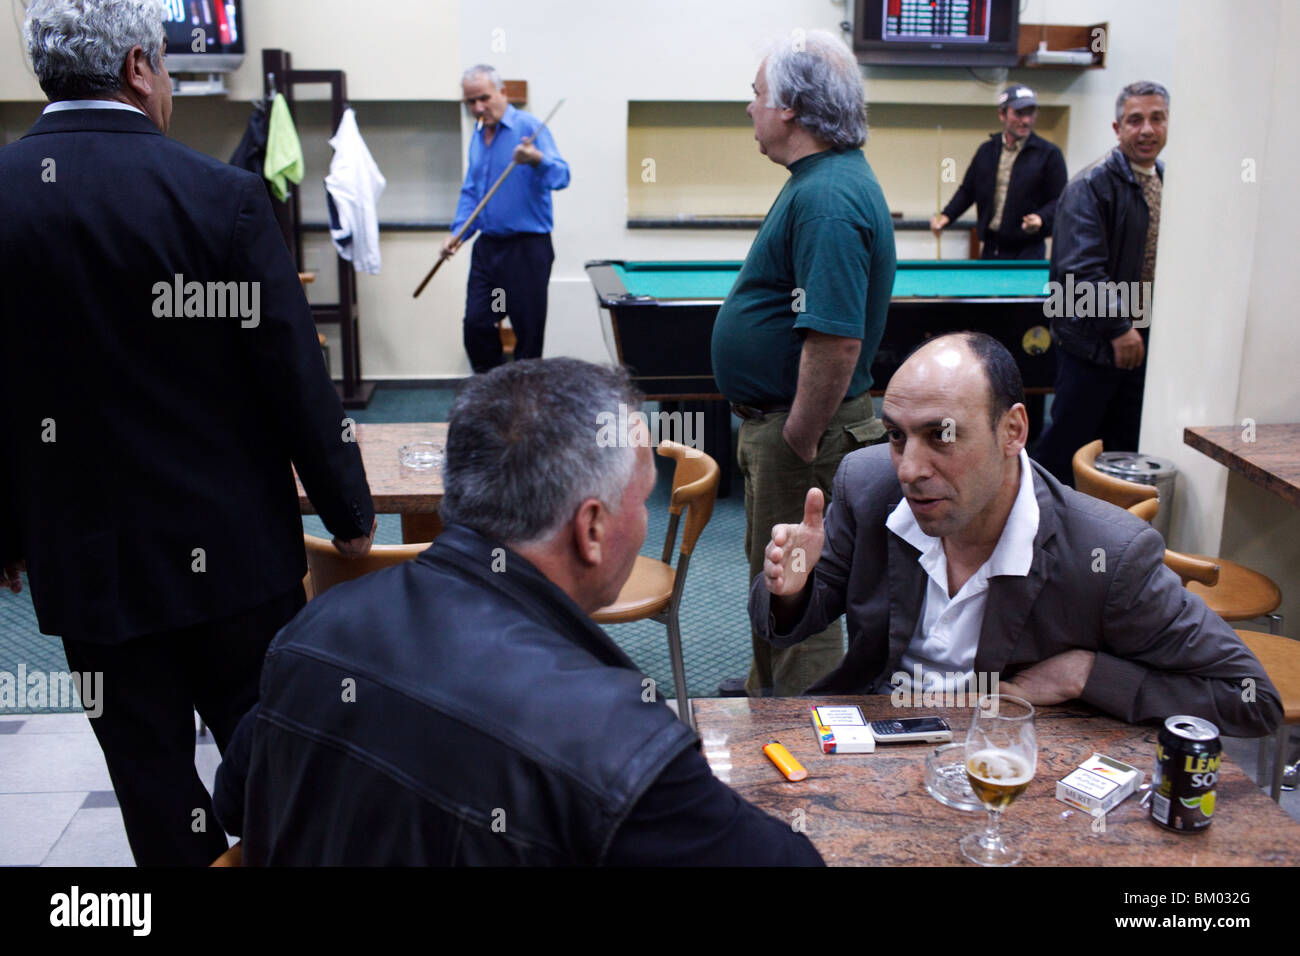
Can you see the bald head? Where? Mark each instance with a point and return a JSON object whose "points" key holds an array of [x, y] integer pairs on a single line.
{"points": [[956, 423]]}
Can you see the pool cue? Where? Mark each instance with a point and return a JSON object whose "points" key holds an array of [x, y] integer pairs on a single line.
{"points": [[484, 201], [938, 189]]}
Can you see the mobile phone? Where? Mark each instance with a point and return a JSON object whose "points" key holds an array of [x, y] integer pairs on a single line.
{"points": [[907, 730]]}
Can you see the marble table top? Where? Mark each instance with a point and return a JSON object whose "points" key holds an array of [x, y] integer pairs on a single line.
{"points": [[395, 488], [873, 809], [1271, 461]]}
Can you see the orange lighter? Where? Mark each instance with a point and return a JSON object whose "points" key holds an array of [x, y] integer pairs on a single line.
{"points": [[784, 761]]}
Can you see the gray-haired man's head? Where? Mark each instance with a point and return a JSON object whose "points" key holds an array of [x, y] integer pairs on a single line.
{"points": [[101, 49], [526, 466]]}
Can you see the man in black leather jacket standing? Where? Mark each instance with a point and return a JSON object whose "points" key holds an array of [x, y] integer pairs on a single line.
{"points": [[1014, 180], [1103, 267], [463, 708]]}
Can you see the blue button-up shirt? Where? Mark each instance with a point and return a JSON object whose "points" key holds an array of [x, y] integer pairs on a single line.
{"points": [[523, 203]]}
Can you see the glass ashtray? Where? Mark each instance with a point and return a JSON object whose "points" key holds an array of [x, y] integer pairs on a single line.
{"points": [[945, 778], [421, 454]]}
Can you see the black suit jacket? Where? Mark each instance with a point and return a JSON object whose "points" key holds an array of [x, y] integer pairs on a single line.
{"points": [[1097, 582], [1037, 178], [146, 475]]}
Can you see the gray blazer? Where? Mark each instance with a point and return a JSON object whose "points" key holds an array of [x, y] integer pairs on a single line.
{"points": [[1160, 650]]}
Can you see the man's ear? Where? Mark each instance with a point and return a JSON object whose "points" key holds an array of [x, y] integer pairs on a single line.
{"points": [[137, 73], [1015, 429], [589, 531]]}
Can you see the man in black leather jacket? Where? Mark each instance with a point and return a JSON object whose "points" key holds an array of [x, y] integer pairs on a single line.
{"points": [[463, 708], [1014, 181], [1103, 266]]}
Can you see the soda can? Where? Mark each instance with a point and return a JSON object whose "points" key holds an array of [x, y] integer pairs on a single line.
{"points": [[1188, 754]]}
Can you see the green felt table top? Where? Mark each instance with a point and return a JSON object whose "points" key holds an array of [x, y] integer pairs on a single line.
{"points": [[971, 278]]}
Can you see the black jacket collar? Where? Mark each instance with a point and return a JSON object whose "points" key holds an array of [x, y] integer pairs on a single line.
{"points": [[93, 121]]}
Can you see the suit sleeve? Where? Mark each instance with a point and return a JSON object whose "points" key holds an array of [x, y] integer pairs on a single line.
{"points": [[1054, 180], [965, 195], [1164, 652], [286, 363], [1081, 247], [828, 581]]}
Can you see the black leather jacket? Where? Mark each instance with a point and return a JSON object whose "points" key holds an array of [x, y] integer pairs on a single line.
{"points": [[1101, 232], [1037, 178], [442, 712]]}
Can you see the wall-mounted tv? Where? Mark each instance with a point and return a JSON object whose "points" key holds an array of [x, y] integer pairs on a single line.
{"points": [[222, 23], [936, 32]]}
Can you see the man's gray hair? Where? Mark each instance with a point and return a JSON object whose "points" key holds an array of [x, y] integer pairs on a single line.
{"points": [[523, 450], [817, 76], [1140, 88], [484, 70], [78, 47]]}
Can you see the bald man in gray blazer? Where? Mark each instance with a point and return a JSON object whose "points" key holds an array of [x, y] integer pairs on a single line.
{"points": [[949, 551]]}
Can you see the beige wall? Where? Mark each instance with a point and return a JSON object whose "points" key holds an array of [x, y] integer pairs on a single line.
{"points": [[404, 58], [1225, 335]]}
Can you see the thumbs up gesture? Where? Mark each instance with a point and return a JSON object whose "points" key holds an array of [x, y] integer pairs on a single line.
{"points": [[795, 548]]}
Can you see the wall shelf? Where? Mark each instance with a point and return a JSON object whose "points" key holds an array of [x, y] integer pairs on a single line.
{"points": [[1060, 38]]}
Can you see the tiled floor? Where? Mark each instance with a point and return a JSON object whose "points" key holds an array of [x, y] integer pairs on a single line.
{"points": [[57, 806]]}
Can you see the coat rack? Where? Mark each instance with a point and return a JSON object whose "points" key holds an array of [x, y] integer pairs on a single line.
{"points": [[279, 76]]}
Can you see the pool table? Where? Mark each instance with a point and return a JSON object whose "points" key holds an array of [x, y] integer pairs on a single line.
{"points": [[660, 322]]}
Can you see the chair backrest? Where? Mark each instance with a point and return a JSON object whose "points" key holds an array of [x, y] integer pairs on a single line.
{"points": [[1090, 481], [1190, 568], [695, 488], [1146, 510], [327, 567]]}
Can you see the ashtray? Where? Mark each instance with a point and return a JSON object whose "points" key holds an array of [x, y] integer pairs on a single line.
{"points": [[945, 778], [421, 454]]}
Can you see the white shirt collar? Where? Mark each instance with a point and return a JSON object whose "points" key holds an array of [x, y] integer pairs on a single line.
{"points": [[63, 105], [1014, 553]]}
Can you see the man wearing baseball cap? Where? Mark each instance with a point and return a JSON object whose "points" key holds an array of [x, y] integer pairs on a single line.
{"points": [[1014, 181]]}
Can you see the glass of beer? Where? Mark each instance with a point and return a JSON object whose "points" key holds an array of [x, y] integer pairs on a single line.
{"points": [[1001, 758]]}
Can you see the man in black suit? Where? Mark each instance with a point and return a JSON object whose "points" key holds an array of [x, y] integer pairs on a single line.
{"points": [[160, 372]]}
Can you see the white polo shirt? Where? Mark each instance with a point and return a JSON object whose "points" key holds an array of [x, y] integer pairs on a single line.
{"points": [[945, 643], [62, 105]]}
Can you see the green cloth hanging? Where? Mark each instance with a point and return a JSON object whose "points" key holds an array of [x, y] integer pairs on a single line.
{"points": [[283, 151]]}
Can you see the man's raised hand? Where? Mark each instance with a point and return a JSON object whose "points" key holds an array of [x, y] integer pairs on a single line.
{"points": [[795, 548]]}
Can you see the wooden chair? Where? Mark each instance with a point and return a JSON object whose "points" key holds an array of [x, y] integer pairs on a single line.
{"points": [[1231, 590], [232, 857], [326, 567], [1281, 659], [654, 589], [1090, 481]]}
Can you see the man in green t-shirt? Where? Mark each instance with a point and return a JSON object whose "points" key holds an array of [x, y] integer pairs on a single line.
{"points": [[794, 341]]}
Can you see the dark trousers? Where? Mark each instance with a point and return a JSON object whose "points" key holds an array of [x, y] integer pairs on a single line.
{"points": [[508, 276], [1091, 401], [151, 687], [993, 250]]}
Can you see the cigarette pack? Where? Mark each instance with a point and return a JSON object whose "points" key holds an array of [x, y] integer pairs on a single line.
{"points": [[842, 730], [1098, 784]]}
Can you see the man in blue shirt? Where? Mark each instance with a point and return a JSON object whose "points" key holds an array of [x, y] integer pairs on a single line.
{"points": [[511, 267]]}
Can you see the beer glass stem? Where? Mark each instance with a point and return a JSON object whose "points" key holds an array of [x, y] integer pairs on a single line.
{"points": [[991, 835]]}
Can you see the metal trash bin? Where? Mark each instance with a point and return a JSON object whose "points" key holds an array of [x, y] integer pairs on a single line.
{"points": [[1145, 470]]}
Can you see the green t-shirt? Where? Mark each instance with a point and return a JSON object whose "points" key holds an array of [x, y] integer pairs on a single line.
{"points": [[823, 259]]}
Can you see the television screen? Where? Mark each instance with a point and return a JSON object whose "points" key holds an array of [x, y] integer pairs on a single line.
{"points": [[203, 36], [937, 32]]}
